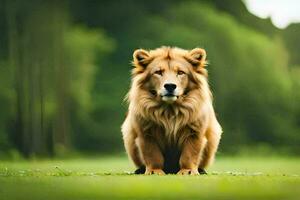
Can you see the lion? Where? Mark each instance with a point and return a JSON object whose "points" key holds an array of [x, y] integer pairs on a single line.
{"points": [[171, 125]]}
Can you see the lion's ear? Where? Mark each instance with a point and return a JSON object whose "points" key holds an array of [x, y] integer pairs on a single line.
{"points": [[141, 58], [197, 57]]}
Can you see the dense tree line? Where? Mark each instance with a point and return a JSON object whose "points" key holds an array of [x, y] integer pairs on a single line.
{"points": [[64, 70]]}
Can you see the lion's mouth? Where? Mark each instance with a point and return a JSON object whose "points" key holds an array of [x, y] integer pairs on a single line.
{"points": [[169, 98]]}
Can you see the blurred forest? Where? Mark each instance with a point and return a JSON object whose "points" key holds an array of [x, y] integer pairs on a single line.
{"points": [[65, 68]]}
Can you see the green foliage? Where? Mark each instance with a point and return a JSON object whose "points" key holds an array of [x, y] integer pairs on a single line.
{"points": [[85, 48], [73, 59], [290, 36], [7, 99]]}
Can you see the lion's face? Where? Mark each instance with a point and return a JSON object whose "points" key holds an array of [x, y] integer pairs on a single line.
{"points": [[169, 73], [168, 79]]}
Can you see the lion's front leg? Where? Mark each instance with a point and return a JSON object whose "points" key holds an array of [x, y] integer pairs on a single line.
{"points": [[152, 155], [190, 155]]}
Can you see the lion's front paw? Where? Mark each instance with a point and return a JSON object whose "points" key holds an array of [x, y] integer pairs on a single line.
{"points": [[188, 172], [154, 171]]}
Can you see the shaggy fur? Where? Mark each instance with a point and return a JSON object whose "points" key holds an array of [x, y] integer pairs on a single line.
{"points": [[177, 134]]}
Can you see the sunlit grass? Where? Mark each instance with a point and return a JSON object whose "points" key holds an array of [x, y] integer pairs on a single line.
{"points": [[111, 178]]}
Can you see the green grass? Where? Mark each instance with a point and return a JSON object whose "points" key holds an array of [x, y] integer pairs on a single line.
{"points": [[110, 178]]}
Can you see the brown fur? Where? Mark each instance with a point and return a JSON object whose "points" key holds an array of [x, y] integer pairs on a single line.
{"points": [[173, 136]]}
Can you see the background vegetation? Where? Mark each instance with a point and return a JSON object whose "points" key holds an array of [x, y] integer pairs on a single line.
{"points": [[64, 70]]}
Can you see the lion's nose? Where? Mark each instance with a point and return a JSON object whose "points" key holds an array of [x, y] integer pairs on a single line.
{"points": [[170, 87]]}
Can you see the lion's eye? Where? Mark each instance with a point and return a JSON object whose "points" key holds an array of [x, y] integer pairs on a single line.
{"points": [[180, 72], [159, 72]]}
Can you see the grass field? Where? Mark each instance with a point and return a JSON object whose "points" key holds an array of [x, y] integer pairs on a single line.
{"points": [[110, 178]]}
